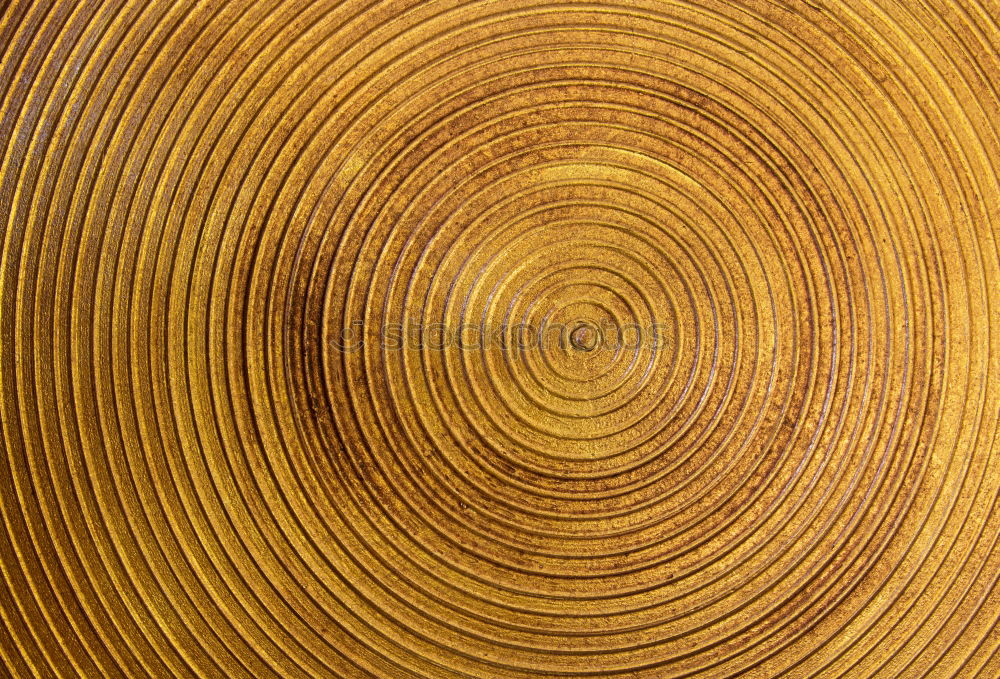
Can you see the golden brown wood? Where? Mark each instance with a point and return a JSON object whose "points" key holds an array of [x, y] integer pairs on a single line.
{"points": [[420, 338]]}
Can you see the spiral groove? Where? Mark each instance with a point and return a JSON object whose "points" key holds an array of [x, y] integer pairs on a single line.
{"points": [[432, 338]]}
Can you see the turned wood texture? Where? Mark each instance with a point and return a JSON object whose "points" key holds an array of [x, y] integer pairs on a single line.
{"points": [[507, 338]]}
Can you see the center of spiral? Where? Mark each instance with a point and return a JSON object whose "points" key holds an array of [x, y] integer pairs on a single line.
{"points": [[583, 337]]}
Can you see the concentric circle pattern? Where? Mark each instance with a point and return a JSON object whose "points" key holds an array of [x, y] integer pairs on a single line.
{"points": [[503, 338]]}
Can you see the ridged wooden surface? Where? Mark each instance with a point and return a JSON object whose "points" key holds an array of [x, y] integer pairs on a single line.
{"points": [[221, 456]]}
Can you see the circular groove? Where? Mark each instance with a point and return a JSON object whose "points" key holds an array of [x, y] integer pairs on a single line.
{"points": [[496, 338]]}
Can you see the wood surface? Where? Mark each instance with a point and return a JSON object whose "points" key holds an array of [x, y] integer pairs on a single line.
{"points": [[506, 338]]}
